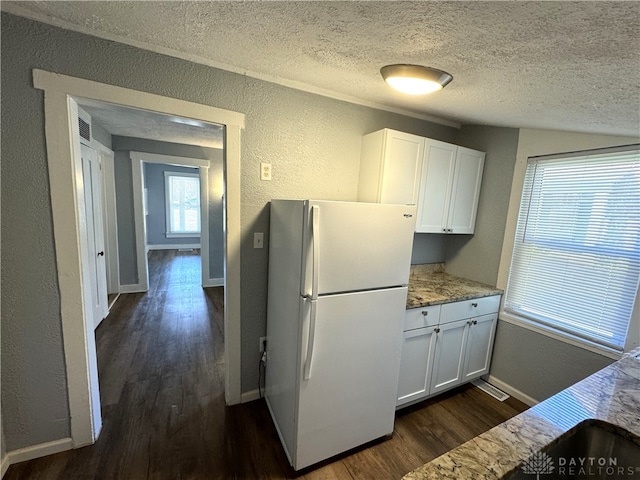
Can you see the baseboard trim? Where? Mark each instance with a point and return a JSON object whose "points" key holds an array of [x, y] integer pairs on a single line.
{"points": [[132, 288], [4, 465], [250, 396], [176, 246], [36, 451], [213, 282], [514, 392]]}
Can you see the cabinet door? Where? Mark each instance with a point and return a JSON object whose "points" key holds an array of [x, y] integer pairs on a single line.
{"points": [[449, 356], [435, 186], [416, 364], [479, 346], [402, 159], [465, 192]]}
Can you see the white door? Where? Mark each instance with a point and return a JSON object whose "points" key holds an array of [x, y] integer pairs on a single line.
{"points": [[352, 246], [479, 346], [401, 168], [352, 362], [435, 186], [95, 234], [416, 364], [465, 192], [449, 356]]}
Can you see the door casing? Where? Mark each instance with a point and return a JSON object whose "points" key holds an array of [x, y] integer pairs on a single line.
{"points": [[62, 144]]}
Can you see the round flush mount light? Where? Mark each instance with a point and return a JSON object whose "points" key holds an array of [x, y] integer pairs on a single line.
{"points": [[415, 79]]}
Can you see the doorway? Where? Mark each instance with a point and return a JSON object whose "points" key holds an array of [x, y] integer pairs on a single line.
{"points": [[70, 234], [211, 200]]}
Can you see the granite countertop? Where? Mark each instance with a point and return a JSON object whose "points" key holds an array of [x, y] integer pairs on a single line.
{"points": [[430, 285], [611, 395]]}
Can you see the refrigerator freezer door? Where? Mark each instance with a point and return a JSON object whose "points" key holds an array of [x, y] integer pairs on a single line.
{"points": [[357, 246], [350, 396]]}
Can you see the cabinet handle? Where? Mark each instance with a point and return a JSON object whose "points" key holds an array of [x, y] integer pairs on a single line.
{"points": [[475, 322], [437, 330], [450, 230], [474, 305], [425, 313], [444, 229]]}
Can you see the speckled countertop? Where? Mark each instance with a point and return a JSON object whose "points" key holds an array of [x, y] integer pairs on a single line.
{"points": [[611, 395], [430, 285]]}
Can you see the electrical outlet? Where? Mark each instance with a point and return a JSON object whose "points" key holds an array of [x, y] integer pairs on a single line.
{"points": [[258, 240], [263, 344], [265, 171]]}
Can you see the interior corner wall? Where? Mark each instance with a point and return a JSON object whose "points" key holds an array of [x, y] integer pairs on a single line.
{"points": [[313, 143], [100, 134], [477, 256], [428, 248], [125, 218]]}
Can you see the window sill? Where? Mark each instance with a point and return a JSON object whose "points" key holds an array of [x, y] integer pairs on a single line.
{"points": [[561, 336], [182, 235]]}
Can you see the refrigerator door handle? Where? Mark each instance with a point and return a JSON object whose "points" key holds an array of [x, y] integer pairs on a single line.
{"points": [[310, 341], [315, 234]]}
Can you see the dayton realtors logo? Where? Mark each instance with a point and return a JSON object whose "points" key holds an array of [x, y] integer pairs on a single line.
{"points": [[538, 464], [577, 467]]}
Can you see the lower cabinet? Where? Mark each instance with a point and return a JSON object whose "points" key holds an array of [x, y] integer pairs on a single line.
{"points": [[480, 336], [416, 364], [448, 356], [438, 358]]}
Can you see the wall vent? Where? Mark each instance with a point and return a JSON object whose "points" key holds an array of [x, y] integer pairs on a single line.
{"points": [[85, 129]]}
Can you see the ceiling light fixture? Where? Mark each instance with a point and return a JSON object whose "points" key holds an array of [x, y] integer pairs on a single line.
{"points": [[415, 79]]}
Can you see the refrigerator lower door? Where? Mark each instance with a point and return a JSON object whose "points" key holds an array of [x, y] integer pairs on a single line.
{"points": [[349, 397]]}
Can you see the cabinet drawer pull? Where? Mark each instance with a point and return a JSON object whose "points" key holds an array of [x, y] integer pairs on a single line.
{"points": [[425, 312], [474, 305], [475, 322], [437, 330]]}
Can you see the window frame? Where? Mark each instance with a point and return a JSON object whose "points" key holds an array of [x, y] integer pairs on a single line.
{"points": [[167, 189], [526, 150]]}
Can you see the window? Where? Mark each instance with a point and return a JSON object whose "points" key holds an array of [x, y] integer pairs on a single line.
{"points": [[182, 194], [576, 261]]}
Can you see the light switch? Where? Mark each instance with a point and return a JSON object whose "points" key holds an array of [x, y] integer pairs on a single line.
{"points": [[258, 240], [265, 171]]}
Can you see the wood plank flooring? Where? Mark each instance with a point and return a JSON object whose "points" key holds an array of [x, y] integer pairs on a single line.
{"points": [[160, 360]]}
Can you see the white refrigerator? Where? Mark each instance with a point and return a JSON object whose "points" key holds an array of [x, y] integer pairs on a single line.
{"points": [[338, 274]]}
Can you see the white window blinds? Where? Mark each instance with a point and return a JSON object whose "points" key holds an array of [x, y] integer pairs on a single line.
{"points": [[576, 259]]}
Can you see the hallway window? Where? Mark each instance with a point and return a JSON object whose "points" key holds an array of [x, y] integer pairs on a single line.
{"points": [[183, 204]]}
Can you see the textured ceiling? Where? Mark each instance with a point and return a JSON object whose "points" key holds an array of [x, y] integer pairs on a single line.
{"points": [[133, 122], [557, 65]]}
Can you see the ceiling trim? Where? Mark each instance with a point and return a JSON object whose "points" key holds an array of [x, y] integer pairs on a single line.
{"points": [[18, 10]]}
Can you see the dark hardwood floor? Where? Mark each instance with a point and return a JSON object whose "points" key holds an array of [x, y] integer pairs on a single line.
{"points": [[160, 360]]}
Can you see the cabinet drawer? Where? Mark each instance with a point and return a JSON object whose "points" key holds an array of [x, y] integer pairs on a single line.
{"points": [[421, 317], [469, 308]]}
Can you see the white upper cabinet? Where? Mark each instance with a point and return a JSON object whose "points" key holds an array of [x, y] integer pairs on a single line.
{"points": [[441, 178], [449, 188], [436, 181], [390, 167]]}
